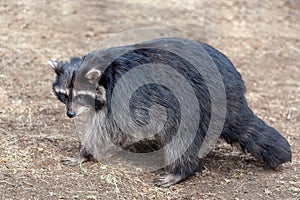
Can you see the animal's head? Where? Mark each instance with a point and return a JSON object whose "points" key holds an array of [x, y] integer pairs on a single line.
{"points": [[78, 90]]}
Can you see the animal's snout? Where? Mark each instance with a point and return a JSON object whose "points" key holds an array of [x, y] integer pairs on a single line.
{"points": [[71, 113]]}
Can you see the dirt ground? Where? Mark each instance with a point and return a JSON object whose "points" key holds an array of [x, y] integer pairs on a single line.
{"points": [[260, 37]]}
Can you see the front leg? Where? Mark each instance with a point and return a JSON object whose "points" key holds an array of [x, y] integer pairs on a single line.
{"points": [[84, 156]]}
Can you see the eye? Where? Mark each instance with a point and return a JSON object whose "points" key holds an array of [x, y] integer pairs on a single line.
{"points": [[85, 100], [62, 97], [80, 97]]}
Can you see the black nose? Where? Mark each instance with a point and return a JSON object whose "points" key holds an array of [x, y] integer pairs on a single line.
{"points": [[71, 113]]}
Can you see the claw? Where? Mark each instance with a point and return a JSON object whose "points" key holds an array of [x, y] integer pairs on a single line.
{"points": [[71, 161], [167, 180]]}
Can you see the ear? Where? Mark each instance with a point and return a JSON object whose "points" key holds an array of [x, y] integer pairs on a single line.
{"points": [[93, 76], [54, 65]]}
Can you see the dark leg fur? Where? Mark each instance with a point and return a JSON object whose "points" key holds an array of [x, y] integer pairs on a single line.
{"points": [[178, 172], [84, 156], [182, 168]]}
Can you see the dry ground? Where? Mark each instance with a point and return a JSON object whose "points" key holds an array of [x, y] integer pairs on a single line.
{"points": [[261, 38]]}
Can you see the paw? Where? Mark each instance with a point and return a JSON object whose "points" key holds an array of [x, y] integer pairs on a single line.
{"points": [[71, 161], [167, 180]]}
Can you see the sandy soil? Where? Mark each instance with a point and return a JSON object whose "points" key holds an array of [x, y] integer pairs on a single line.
{"points": [[260, 37]]}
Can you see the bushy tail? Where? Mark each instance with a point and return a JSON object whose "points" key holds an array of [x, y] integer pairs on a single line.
{"points": [[265, 143], [257, 138]]}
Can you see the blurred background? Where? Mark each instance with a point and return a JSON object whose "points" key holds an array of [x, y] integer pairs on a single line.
{"points": [[260, 37]]}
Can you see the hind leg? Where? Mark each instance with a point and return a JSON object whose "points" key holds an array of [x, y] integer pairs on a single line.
{"points": [[173, 178], [180, 169]]}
